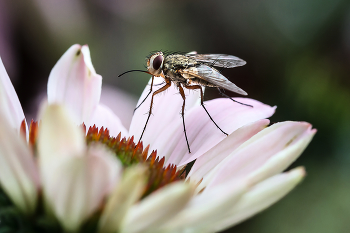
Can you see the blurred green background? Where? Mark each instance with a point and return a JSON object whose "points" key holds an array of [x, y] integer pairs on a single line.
{"points": [[298, 58]]}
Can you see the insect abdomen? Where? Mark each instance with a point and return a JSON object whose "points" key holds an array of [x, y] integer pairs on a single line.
{"points": [[201, 82]]}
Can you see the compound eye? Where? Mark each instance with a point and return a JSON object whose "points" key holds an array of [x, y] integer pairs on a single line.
{"points": [[157, 62]]}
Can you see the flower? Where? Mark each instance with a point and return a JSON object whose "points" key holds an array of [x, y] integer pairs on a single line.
{"points": [[101, 182]]}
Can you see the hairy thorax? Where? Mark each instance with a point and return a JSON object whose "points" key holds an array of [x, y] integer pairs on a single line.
{"points": [[174, 63]]}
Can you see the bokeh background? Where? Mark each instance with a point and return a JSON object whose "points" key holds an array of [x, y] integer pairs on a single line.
{"points": [[298, 58]]}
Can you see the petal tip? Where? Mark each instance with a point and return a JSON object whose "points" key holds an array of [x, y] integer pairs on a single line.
{"points": [[298, 174]]}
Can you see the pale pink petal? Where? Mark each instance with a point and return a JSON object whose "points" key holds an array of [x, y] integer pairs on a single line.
{"points": [[125, 194], [19, 175], [209, 160], [165, 114], [73, 82], [280, 161], [207, 208], [120, 102], [203, 134], [103, 116], [157, 208], [254, 153], [58, 137], [9, 102], [79, 184], [75, 181], [260, 197]]}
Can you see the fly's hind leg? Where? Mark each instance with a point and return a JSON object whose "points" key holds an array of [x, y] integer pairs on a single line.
{"points": [[182, 93], [222, 93], [194, 87], [166, 86]]}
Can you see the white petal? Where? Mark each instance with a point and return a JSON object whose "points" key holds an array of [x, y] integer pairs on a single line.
{"points": [[58, 138], [202, 132], [73, 81], [9, 102], [19, 175], [205, 163], [128, 191], [165, 114], [207, 208], [58, 135], [254, 153], [79, 184], [158, 208], [103, 116], [280, 161], [261, 197]]}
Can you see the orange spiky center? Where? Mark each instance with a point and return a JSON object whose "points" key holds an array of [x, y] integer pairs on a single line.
{"points": [[130, 153]]}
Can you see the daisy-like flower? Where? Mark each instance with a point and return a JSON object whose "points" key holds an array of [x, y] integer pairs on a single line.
{"points": [[80, 170]]}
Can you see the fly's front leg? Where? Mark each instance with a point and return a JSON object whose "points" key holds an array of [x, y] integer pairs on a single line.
{"points": [[166, 86], [150, 90], [182, 93], [194, 87]]}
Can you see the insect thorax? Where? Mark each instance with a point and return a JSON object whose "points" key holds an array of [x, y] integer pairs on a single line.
{"points": [[174, 63]]}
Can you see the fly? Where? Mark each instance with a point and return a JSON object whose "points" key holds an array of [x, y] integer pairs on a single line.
{"points": [[190, 71]]}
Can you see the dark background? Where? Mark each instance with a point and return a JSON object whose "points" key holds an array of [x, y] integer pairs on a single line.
{"points": [[297, 54]]}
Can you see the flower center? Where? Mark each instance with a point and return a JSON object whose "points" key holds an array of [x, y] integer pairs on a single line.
{"points": [[130, 153], [127, 151]]}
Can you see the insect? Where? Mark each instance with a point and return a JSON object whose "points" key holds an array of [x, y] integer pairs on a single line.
{"points": [[190, 71]]}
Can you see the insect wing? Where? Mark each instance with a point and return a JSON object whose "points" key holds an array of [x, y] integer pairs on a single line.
{"points": [[213, 76], [218, 60]]}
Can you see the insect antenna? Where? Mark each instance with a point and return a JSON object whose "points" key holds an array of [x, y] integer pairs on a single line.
{"points": [[133, 71], [222, 93]]}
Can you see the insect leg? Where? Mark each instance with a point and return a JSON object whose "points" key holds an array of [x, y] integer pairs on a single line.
{"points": [[159, 84], [166, 86], [182, 93], [200, 88], [150, 90], [222, 93]]}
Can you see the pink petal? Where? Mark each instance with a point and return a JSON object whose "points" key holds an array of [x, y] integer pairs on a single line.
{"points": [[58, 138], [75, 180], [120, 102], [58, 135], [209, 160], [254, 153], [9, 102], [78, 185], [73, 81], [282, 160], [165, 114], [157, 208], [260, 197], [204, 135], [19, 175], [207, 208], [126, 193], [103, 116]]}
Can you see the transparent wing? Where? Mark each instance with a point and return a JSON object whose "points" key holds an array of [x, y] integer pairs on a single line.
{"points": [[213, 76], [218, 60]]}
